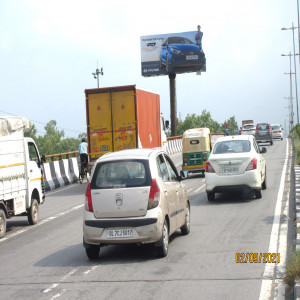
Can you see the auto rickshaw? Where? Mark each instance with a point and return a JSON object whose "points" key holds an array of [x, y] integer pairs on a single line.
{"points": [[196, 148]]}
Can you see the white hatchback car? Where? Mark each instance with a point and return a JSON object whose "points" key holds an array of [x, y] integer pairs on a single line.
{"points": [[277, 131], [134, 196], [236, 163]]}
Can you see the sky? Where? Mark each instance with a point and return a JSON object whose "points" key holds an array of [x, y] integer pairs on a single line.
{"points": [[49, 50]]}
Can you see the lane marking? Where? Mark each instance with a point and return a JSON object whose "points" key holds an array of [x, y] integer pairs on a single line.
{"points": [[59, 294], [90, 270], [54, 285], [42, 222], [268, 276], [200, 188]]}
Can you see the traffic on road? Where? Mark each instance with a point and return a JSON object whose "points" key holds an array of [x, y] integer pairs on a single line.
{"points": [[48, 260]]}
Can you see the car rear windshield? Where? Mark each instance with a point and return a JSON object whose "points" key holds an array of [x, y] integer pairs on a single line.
{"points": [[249, 127], [263, 127], [125, 173], [237, 146]]}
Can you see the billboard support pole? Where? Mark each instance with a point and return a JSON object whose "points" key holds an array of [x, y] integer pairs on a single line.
{"points": [[172, 77]]}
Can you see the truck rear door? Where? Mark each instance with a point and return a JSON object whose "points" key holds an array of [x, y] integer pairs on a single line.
{"points": [[124, 120], [100, 124]]}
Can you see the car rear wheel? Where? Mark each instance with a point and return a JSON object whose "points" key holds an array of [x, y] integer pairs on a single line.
{"points": [[162, 245], [185, 229], [92, 251], [257, 194], [210, 196], [271, 143]]}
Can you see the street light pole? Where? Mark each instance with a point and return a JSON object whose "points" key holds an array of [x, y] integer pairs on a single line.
{"points": [[295, 75], [296, 90], [97, 73], [298, 28]]}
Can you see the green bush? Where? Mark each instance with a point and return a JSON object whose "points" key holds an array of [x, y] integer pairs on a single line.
{"points": [[293, 269]]}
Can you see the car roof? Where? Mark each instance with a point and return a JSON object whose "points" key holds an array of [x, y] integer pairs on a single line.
{"points": [[245, 137], [144, 153]]}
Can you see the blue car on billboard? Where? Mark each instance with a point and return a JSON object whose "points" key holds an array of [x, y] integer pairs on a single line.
{"points": [[179, 54]]}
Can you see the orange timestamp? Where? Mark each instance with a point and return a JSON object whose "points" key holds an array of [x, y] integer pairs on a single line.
{"points": [[253, 257]]}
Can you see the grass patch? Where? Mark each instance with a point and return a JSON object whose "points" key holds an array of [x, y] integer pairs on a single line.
{"points": [[295, 135], [293, 269]]}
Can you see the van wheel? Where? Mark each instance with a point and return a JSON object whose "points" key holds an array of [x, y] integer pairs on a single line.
{"points": [[2, 223], [92, 251], [162, 245], [33, 212], [185, 229], [210, 196]]}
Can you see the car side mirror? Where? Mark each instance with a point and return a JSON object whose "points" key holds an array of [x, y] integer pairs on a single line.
{"points": [[263, 150], [183, 174]]}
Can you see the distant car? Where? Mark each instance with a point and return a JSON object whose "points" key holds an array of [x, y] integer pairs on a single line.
{"points": [[263, 133], [249, 129], [178, 52], [277, 131], [134, 196], [236, 163]]}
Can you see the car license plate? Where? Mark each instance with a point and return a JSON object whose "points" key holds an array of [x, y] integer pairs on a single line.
{"points": [[119, 233], [191, 57], [230, 170]]}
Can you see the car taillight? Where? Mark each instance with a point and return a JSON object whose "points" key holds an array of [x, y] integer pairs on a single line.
{"points": [[154, 195], [256, 127], [252, 165], [209, 168], [88, 199]]}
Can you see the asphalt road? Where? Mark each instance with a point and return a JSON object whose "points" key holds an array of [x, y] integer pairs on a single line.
{"points": [[48, 261]]}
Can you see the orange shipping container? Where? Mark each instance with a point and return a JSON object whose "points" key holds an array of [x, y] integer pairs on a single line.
{"points": [[123, 117]]}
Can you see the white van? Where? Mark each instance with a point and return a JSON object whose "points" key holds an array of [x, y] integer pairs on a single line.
{"points": [[21, 176]]}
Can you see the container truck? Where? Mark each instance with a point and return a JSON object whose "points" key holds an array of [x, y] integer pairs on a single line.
{"points": [[123, 117], [21, 176]]}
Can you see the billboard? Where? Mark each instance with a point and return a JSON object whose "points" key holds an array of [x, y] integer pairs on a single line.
{"points": [[172, 53]]}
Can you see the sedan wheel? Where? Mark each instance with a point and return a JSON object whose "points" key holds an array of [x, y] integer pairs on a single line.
{"points": [[210, 196], [264, 184]]}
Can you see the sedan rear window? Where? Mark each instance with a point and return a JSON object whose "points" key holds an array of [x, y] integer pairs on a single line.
{"points": [[237, 146], [276, 127], [126, 173]]}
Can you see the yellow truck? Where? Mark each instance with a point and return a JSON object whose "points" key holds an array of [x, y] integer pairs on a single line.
{"points": [[123, 117], [245, 122]]}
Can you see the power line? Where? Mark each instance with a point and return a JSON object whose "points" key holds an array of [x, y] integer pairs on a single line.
{"points": [[41, 122]]}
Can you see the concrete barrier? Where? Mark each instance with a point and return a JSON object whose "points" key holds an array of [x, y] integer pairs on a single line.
{"points": [[60, 173], [66, 171]]}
